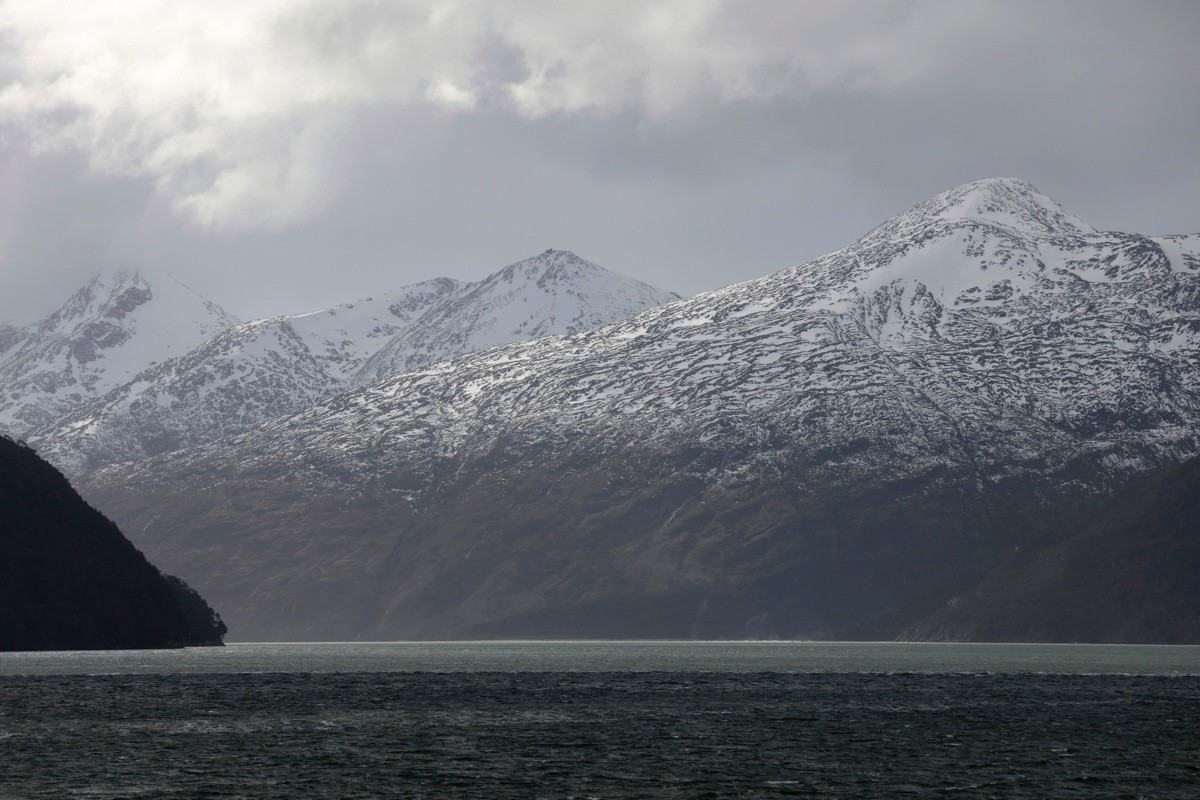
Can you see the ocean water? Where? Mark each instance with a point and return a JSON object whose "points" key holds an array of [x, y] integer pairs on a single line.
{"points": [[603, 720]]}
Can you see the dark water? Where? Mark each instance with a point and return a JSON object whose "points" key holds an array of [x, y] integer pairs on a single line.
{"points": [[599, 735], [609, 734]]}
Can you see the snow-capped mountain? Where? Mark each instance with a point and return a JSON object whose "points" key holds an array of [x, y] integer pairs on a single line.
{"points": [[258, 370], [121, 322], [834, 445], [552, 293]]}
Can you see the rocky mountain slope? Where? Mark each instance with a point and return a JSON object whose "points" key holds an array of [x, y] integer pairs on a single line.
{"points": [[70, 581], [259, 370], [1129, 576], [842, 444], [121, 322]]}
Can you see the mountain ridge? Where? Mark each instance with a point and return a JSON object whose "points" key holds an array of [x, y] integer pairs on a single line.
{"points": [[257, 370], [796, 455], [109, 329]]}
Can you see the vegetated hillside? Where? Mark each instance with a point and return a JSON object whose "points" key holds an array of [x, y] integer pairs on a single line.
{"points": [[70, 581], [259, 370], [1131, 575], [843, 445]]}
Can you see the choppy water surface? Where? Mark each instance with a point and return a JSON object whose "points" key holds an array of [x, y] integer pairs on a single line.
{"points": [[602, 720]]}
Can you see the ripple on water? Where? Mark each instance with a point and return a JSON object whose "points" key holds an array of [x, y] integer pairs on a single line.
{"points": [[605, 735]]}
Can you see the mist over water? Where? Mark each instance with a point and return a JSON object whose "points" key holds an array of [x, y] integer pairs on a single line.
{"points": [[601, 720]]}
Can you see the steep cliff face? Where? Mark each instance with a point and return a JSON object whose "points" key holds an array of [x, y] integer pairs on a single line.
{"points": [[70, 581], [1131, 574], [843, 444]]}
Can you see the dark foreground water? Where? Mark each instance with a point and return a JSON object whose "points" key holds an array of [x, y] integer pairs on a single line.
{"points": [[1054, 723]]}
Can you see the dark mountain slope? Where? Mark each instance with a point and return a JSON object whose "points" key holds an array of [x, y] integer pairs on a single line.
{"points": [[1131, 575], [70, 581]]}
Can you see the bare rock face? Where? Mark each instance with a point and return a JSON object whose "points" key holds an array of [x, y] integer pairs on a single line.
{"points": [[70, 581], [838, 447]]}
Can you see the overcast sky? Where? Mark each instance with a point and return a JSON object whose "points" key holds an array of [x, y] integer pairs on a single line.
{"points": [[286, 155]]}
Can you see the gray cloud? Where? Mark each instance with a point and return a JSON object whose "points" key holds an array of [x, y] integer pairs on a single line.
{"points": [[239, 112]]}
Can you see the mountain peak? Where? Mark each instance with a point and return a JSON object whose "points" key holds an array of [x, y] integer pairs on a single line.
{"points": [[554, 266], [551, 261], [554, 292], [109, 329], [1007, 201], [115, 291], [558, 256], [119, 275]]}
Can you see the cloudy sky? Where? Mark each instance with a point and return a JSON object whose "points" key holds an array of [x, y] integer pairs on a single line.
{"points": [[285, 155]]}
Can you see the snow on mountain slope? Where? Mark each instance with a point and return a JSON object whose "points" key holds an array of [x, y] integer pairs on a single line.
{"points": [[552, 293], [122, 321], [813, 448], [263, 369], [1009, 294], [245, 375], [972, 307], [344, 337], [1181, 250]]}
